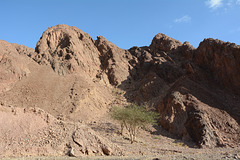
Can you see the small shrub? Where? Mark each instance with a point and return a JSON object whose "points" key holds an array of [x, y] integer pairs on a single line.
{"points": [[117, 92], [181, 144], [132, 118]]}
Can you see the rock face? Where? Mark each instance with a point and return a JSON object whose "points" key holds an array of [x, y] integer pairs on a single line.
{"points": [[193, 89], [67, 49], [187, 112], [222, 60], [72, 76], [114, 61], [93, 144]]}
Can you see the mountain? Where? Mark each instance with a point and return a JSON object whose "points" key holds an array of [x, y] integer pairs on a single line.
{"points": [[76, 79]]}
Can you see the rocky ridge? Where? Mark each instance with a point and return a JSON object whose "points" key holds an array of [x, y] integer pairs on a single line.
{"points": [[194, 82]]}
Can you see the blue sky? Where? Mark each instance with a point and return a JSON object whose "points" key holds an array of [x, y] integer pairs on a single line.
{"points": [[126, 23]]}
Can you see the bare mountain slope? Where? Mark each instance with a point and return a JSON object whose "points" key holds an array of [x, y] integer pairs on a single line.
{"points": [[13, 65], [84, 91]]}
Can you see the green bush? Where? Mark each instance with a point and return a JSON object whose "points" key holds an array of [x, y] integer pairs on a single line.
{"points": [[133, 117]]}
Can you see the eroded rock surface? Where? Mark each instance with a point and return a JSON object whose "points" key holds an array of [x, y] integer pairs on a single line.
{"points": [[222, 61], [187, 111], [67, 49], [195, 90], [114, 61]]}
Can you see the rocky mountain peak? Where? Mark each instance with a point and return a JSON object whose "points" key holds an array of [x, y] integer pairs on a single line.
{"points": [[221, 59], [67, 49], [162, 42]]}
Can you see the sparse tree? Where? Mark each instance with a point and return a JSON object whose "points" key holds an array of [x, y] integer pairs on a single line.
{"points": [[132, 117]]}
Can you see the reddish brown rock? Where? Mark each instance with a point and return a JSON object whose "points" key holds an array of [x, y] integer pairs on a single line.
{"points": [[68, 49], [162, 42], [114, 61], [198, 104], [187, 111], [78, 95], [187, 50], [222, 61]]}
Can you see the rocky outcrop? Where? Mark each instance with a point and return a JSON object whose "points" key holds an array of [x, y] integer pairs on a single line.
{"points": [[187, 113], [94, 144], [174, 114], [190, 88], [162, 42], [67, 49], [187, 51], [79, 90], [222, 61], [114, 61], [156, 67]]}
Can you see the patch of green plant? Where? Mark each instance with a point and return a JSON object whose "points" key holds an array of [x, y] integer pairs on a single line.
{"points": [[181, 144], [132, 117], [117, 92]]}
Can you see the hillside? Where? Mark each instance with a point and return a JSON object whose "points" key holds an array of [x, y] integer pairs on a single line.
{"points": [[68, 84]]}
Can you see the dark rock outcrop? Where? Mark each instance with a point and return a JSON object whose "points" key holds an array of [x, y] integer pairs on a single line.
{"points": [[192, 89], [187, 112], [222, 61]]}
